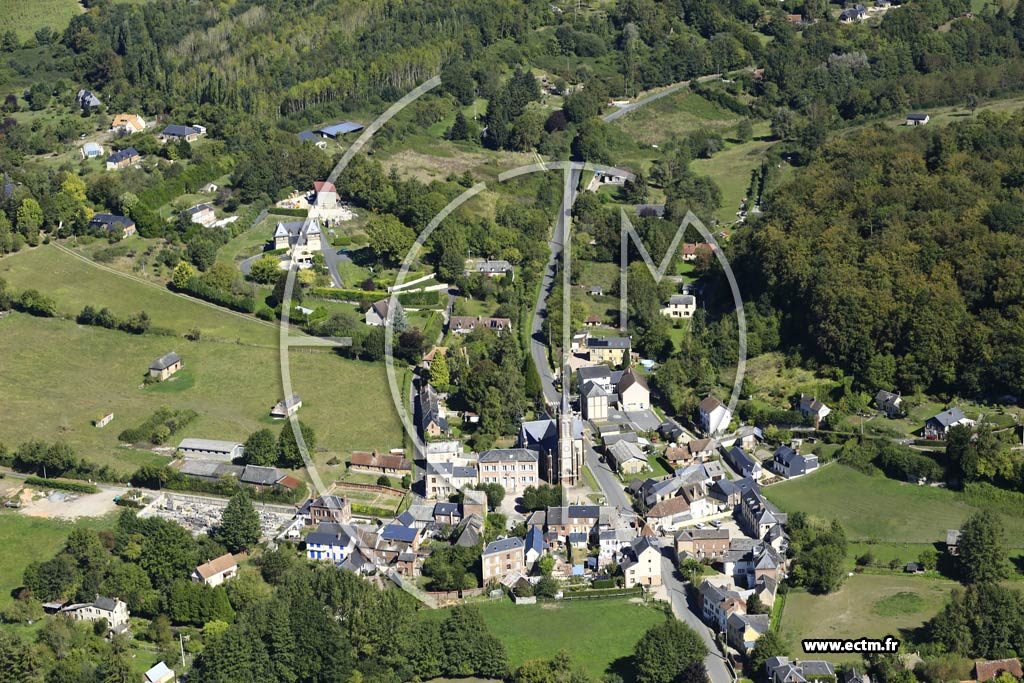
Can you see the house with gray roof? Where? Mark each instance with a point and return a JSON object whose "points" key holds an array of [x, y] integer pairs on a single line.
{"points": [[513, 468], [789, 464], [165, 366], [938, 427], [782, 670], [744, 463], [889, 403], [502, 557], [627, 457]]}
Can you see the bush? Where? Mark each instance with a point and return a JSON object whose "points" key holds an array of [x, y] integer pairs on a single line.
{"points": [[243, 303], [76, 486], [186, 182], [277, 211], [159, 426]]}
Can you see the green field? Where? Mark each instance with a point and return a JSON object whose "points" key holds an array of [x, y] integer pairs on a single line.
{"points": [[880, 508], [24, 18], [46, 537], [868, 606], [731, 168], [67, 375], [581, 628], [75, 283], [675, 116]]}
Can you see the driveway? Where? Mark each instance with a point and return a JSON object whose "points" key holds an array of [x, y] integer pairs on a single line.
{"points": [[718, 670], [332, 257]]}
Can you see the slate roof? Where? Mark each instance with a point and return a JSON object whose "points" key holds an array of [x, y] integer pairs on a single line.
{"points": [[623, 451], [122, 155], [397, 532], [336, 129], [307, 136], [178, 131], [330, 502], [261, 476], [607, 342], [509, 455], [446, 509], [534, 540], [165, 361], [504, 545], [949, 417]]}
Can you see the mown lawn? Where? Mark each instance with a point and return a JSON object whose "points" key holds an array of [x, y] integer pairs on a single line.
{"points": [[75, 283], [882, 509], [582, 628], [36, 539], [63, 376], [867, 605]]}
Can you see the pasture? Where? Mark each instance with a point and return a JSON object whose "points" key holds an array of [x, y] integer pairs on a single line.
{"points": [[64, 376], [868, 606], [25, 18], [878, 508]]}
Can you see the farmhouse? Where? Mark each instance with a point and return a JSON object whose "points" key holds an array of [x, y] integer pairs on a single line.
{"points": [[680, 306], [175, 133], [91, 150], [165, 366], [123, 158], [108, 222], [501, 558], [714, 416], [127, 124], [513, 468], [286, 407], [216, 571], [938, 427], [375, 463], [202, 214], [914, 119], [489, 268], [113, 610], [463, 324], [377, 314], [211, 449]]}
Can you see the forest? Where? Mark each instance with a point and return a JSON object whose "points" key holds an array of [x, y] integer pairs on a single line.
{"points": [[898, 258]]}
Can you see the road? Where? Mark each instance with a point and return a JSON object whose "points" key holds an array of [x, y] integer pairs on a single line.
{"points": [[718, 670], [656, 96], [611, 487], [332, 257]]}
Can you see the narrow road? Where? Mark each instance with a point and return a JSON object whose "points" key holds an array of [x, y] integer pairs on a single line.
{"points": [[611, 487], [332, 257], [718, 670], [608, 118]]}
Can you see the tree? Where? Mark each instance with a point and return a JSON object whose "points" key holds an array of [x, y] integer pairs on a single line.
{"points": [[220, 276], [756, 606], [982, 549], [666, 651], [390, 239], [439, 376], [771, 644], [265, 270], [29, 218], [546, 564], [261, 448], [384, 480], [744, 130], [239, 527], [288, 453], [182, 275]]}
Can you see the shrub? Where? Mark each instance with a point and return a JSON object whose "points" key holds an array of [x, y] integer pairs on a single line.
{"points": [[76, 486]]}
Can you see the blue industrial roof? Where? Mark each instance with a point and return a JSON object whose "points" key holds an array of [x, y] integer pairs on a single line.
{"points": [[336, 129], [307, 136]]}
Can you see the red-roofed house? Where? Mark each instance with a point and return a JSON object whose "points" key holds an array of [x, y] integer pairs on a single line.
{"points": [[986, 670]]}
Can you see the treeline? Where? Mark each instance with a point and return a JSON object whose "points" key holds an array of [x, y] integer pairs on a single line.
{"points": [[871, 455], [874, 266], [137, 323], [159, 426], [55, 460], [818, 549]]}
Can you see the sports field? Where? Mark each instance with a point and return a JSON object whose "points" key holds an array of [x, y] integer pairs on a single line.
{"points": [[581, 628]]}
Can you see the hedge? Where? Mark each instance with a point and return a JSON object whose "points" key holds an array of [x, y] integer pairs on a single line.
{"points": [[75, 486], [721, 98], [416, 299], [371, 511], [276, 211], [243, 303]]}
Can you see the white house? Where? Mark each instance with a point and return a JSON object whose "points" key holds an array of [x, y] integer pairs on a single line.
{"points": [[216, 571], [377, 314], [634, 394], [680, 306], [714, 416], [642, 565], [113, 610], [813, 408]]}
